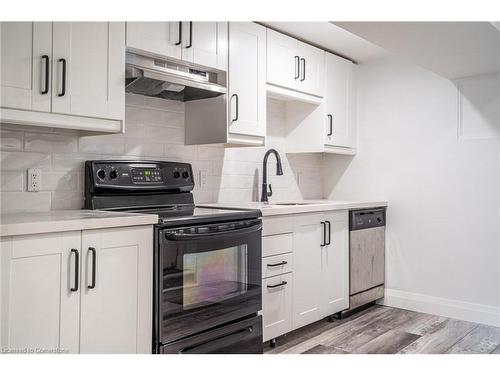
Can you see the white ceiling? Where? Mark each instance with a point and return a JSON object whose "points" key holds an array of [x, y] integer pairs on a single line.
{"points": [[450, 49], [332, 38]]}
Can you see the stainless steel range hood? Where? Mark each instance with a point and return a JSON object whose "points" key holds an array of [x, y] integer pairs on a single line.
{"points": [[171, 80]]}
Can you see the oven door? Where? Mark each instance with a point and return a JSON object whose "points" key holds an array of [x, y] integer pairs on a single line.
{"points": [[206, 276]]}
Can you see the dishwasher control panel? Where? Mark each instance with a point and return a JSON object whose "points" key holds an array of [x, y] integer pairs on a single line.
{"points": [[366, 218]]}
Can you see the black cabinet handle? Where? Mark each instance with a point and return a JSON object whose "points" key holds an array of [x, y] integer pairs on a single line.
{"points": [[329, 232], [47, 74], [235, 96], [278, 264], [297, 67], [331, 124], [190, 35], [323, 224], [92, 284], [180, 34], [77, 267], [303, 69], [277, 285], [63, 92]]}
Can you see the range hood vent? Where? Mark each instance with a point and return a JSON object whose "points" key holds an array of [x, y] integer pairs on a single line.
{"points": [[169, 80]]}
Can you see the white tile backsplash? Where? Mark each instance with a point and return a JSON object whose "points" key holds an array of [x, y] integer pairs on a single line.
{"points": [[154, 130]]}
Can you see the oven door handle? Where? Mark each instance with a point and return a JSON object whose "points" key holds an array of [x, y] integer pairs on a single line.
{"points": [[174, 236], [206, 347]]}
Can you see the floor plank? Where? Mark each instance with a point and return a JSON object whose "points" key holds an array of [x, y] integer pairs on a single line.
{"points": [[320, 349], [344, 326], [382, 329], [389, 342], [354, 338], [442, 339], [481, 340]]}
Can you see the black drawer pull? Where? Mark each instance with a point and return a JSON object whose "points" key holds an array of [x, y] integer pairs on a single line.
{"points": [[323, 224], [331, 125], [77, 267], [297, 67], [92, 284], [190, 35], [329, 233], [47, 74], [63, 92], [180, 34], [278, 264], [277, 285], [303, 69]]}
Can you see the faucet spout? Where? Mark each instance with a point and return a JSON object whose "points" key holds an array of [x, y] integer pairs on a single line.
{"points": [[279, 171]]}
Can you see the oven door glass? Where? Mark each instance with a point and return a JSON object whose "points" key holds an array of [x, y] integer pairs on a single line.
{"points": [[208, 276]]}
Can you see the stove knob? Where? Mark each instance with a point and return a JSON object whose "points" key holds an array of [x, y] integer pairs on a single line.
{"points": [[177, 174], [113, 174], [185, 174], [101, 174]]}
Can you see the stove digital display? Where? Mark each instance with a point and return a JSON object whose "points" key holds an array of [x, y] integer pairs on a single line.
{"points": [[147, 175]]}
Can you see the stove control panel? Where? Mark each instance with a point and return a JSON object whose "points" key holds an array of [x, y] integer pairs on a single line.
{"points": [[153, 175]]}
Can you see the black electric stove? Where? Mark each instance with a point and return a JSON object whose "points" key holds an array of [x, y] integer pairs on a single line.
{"points": [[207, 262]]}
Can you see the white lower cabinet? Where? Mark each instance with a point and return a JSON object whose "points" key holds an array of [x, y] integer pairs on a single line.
{"points": [[52, 300], [277, 305], [305, 272]]}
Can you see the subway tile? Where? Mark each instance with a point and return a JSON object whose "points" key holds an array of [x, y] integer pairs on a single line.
{"points": [[23, 160], [60, 181], [102, 144], [12, 181], [25, 201], [11, 140], [67, 200], [142, 148], [49, 142]]}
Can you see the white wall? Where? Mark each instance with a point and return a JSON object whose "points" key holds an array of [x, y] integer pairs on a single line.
{"points": [[154, 130], [443, 233]]}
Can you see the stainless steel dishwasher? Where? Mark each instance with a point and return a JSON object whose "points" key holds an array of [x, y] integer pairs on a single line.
{"points": [[366, 256]]}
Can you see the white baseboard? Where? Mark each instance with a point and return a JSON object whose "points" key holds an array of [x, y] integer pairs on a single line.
{"points": [[472, 312]]}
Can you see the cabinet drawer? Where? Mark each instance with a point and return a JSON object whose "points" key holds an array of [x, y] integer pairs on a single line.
{"points": [[276, 265], [277, 225], [279, 244], [277, 306]]}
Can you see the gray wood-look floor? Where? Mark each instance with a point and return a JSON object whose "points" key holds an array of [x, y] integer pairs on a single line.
{"points": [[386, 330]]}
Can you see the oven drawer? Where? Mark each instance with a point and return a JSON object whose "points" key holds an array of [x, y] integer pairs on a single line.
{"points": [[243, 337], [278, 244], [277, 306], [276, 265]]}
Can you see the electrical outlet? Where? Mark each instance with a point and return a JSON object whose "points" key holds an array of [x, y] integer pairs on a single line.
{"points": [[202, 178], [34, 179]]}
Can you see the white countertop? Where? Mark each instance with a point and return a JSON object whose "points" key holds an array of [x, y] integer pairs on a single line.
{"points": [[305, 206], [66, 220]]}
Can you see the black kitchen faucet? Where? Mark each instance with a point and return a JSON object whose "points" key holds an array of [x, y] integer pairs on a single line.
{"points": [[279, 171]]}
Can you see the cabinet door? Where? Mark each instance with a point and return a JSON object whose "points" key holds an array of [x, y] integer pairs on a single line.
{"points": [[335, 264], [26, 53], [312, 69], [282, 60], [307, 278], [116, 303], [337, 101], [93, 84], [39, 311], [277, 306], [200, 43], [247, 78], [157, 38]]}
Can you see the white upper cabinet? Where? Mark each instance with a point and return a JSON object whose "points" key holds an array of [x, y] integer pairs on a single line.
{"points": [[247, 79], [63, 74], [26, 58], [199, 43], [338, 102], [88, 70], [294, 65], [158, 38]]}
